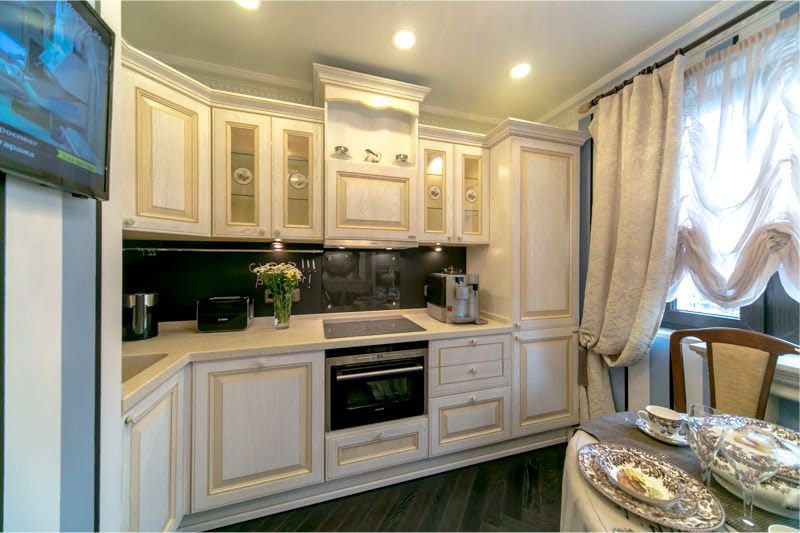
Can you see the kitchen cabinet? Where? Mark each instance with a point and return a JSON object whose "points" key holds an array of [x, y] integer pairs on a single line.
{"points": [[155, 459], [297, 186], [468, 364], [545, 380], [258, 427], [242, 185], [364, 449], [470, 419], [455, 193], [166, 158]]}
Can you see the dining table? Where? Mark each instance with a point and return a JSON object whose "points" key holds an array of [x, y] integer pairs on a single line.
{"points": [[585, 508]]}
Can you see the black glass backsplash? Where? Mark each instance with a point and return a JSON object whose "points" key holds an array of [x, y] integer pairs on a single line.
{"points": [[340, 280]]}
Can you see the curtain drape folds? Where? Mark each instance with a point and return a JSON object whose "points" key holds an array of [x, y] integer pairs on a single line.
{"points": [[634, 226], [739, 218]]}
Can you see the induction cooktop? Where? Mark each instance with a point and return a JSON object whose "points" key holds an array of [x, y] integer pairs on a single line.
{"points": [[339, 328]]}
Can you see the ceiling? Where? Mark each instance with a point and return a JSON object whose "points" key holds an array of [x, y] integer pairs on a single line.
{"points": [[464, 50]]}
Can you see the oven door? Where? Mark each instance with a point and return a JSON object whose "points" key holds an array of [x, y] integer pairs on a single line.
{"points": [[375, 391]]}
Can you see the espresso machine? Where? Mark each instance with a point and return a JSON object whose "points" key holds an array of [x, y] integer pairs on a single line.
{"points": [[453, 298]]}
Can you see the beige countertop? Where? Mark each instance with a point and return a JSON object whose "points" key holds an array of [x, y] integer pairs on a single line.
{"points": [[181, 344]]}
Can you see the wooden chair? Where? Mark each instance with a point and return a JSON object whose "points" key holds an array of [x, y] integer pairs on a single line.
{"points": [[741, 365]]}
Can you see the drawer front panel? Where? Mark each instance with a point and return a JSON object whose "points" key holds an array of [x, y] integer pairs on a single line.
{"points": [[470, 350], [470, 377], [352, 452], [462, 421]]}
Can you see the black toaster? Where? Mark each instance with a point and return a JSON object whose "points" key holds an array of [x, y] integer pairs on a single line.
{"points": [[224, 313]]}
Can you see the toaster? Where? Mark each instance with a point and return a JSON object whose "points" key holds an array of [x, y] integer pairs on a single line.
{"points": [[224, 313]]}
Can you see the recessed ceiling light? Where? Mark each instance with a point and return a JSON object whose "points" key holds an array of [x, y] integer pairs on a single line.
{"points": [[404, 39], [520, 71], [249, 4]]}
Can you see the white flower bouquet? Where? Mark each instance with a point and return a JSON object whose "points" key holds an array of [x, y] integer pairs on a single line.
{"points": [[281, 279]]}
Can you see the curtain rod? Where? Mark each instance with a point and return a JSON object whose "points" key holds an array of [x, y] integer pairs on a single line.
{"points": [[680, 51]]}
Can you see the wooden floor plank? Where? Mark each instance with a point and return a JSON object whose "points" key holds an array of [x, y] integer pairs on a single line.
{"points": [[517, 493]]}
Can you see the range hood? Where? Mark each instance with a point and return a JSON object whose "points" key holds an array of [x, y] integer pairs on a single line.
{"points": [[369, 244]]}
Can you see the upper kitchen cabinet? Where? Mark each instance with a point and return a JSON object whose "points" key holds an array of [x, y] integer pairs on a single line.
{"points": [[242, 201], [531, 273], [297, 180], [454, 193], [371, 128], [166, 160]]}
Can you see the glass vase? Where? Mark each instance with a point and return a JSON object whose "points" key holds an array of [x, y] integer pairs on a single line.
{"points": [[283, 309]]}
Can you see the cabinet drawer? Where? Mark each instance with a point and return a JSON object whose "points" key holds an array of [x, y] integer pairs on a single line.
{"points": [[351, 452], [470, 377], [469, 350], [462, 421]]}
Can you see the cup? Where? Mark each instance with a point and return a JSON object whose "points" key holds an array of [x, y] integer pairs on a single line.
{"points": [[662, 420]]}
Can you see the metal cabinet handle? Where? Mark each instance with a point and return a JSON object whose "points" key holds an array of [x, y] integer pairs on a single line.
{"points": [[129, 222], [473, 370], [262, 231], [131, 420], [473, 342], [374, 373], [277, 232], [472, 399]]}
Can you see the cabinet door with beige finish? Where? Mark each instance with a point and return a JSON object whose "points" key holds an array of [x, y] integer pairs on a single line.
{"points": [[548, 233], [460, 365], [357, 450], [166, 159], [462, 421], [472, 194], [154, 452], [545, 380], [297, 180], [242, 201], [258, 427], [436, 179]]}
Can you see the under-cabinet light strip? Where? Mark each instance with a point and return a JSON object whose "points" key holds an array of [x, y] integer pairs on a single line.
{"points": [[215, 250]]}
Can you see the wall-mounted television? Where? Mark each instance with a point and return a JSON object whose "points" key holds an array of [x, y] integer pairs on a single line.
{"points": [[56, 61]]}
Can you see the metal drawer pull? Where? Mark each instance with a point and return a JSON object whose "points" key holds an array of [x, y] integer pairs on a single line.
{"points": [[473, 370], [374, 373], [131, 419]]}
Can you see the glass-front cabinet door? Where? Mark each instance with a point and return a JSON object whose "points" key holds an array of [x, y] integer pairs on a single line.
{"points": [[297, 179], [241, 174], [472, 195], [436, 171]]}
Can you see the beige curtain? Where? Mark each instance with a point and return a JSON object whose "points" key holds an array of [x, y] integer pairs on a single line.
{"points": [[633, 229]]}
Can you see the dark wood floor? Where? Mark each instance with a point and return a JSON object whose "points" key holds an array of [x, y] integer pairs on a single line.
{"points": [[517, 493]]}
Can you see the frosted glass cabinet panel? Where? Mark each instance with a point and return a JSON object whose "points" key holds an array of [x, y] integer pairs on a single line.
{"points": [[436, 171], [472, 183], [297, 179], [241, 174]]}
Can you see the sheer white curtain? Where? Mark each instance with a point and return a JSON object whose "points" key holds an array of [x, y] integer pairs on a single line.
{"points": [[739, 218], [633, 230]]}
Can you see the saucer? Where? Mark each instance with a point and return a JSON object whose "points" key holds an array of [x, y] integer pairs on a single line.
{"points": [[677, 440]]}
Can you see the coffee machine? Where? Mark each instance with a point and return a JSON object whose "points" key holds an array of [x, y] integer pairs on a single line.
{"points": [[453, 298]]}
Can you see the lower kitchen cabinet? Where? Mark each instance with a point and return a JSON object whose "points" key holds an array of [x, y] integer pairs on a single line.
{"points": [[258, 427], [545, 380], [155, 451], [468, 420], [357, 450]]}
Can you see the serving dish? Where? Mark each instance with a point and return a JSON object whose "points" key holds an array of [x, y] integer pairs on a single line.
{"points": [[641, 478], [698, 510]]}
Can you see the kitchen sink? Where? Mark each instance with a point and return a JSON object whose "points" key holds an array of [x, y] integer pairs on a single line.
{"points": [[132, 365], [336, 329]]}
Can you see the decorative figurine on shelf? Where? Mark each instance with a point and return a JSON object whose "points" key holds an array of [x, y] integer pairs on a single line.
{"points": [[372, 157], [281, 279]]}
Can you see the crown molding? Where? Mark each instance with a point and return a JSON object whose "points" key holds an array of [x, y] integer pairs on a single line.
{"points": [[488, 121], [323, 74], [649, 55], [435, 133], [151, 67], [514, 127]]}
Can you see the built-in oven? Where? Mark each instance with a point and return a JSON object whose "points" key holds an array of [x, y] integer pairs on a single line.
{"points": [[371, 384]]}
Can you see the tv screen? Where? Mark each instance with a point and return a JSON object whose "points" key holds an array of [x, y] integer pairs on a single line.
{"points": [[55, 94]]}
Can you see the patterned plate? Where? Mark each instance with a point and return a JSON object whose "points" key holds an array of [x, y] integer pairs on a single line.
{"points": [[698, 510], [641, 478]]}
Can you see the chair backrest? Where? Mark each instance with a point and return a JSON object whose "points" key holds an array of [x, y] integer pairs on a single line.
{"points": [[741, 365]]}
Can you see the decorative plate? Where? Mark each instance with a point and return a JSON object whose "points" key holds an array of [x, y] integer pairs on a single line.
{"points": [[698, 510], [297, 180], [434, 192], [641, 478], [676, 440], [243, 176], [471, 195], [790, 442]]}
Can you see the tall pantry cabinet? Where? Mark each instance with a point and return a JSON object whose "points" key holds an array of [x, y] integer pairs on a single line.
{"points": [[529, 272]]}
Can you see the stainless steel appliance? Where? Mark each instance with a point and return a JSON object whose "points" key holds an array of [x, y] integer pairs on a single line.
{"points": [[139, 316], [452, 298], [224, 313], [338, 328], [371, 384]]}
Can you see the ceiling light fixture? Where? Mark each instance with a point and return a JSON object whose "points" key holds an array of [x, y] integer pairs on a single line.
{"points": [[404, 39], [249, 4], [520, 71]]}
